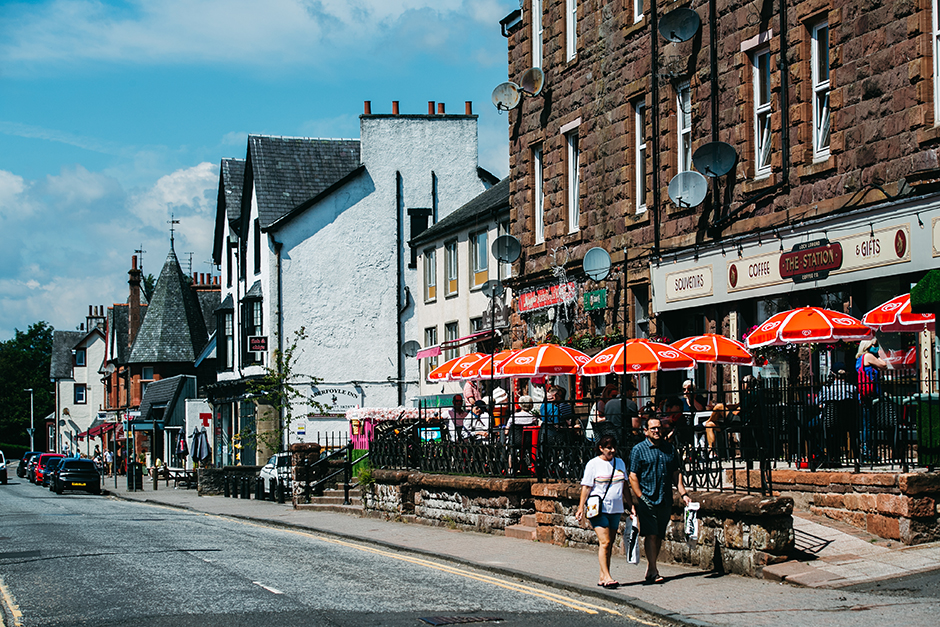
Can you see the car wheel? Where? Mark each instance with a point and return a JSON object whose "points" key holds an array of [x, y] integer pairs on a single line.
{"points": [[58, 489]]}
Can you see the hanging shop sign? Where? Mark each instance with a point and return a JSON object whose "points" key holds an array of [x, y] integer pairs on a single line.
{"points": [[336, 398], [502, 311], [693, 283], [595, 300], [811, 261], [935, 236], [874, 248], [547, 296]]}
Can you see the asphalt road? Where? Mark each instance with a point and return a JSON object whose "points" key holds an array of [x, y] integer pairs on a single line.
{"points": [[84, 560]]}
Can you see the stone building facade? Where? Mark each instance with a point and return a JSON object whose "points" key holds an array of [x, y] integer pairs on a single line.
{"points": [[830, 108]]}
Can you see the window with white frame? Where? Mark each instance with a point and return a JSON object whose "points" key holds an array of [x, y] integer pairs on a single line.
{"points": [[762, 137], [430, 339], [537, 33], [571, 29], [80, 357], [538, 195], [819, 57], [451, 334], [450, 267], [479, 266], [574, 181], [637, 10], [684, 117], [253, 328], [430, 275], [228, 341], [81, 392], [639, 114], [935, 27]]}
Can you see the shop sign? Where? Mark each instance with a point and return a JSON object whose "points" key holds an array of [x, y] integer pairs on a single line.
{"points": [[811, 261], [752, 272], [502, 312], [595, 300], [258, 343], [336, 398], [935, 236], [547, 296], [686, 284], [871, 249]]}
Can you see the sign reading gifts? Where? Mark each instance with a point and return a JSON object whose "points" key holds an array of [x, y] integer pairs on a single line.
{"points": [[547, 296]]}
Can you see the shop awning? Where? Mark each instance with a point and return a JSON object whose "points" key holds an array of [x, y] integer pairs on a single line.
{"points": [[434, 351]]}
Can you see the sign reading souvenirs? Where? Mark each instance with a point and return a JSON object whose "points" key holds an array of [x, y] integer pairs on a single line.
{"points": [[689, 283], [595, 300], [547, 296], [258, 343], [811, 261]]}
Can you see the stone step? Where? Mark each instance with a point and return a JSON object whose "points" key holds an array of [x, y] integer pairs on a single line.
{"points": [[529, 520], [523, 532], [335, 500], [355, 510]]}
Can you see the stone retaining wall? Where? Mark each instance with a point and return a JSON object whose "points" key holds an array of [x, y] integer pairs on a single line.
{"points": [[901, 507], [209, 480], [738, 533]]}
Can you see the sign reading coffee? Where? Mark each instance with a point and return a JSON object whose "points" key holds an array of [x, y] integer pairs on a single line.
{"points": [[811, 261]]}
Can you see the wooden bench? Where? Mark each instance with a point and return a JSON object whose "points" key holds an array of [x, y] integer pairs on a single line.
{"points": [[176, 475]]}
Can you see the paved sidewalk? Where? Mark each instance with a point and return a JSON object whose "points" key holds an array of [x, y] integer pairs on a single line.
{"points": [[688, 596]]}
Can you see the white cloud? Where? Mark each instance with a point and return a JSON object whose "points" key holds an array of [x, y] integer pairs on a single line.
{"points": [[76, 185], [235, 138], [13, 203], [184, 192]]}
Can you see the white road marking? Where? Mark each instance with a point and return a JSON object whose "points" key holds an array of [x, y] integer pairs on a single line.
{"points": [[271, 590]]}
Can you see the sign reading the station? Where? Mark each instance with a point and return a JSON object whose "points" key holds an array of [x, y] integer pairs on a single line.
{"points": [[811, 261]]}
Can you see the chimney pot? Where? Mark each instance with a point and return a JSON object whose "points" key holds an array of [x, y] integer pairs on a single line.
{"points": [[91, 310], [468, 105], [440, 108], [367, 106], [133, 262], [394, 107], [430, 107]]}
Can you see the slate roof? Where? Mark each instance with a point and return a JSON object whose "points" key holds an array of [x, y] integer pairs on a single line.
{"points": [[62, 344], [174, 329], [209, 301], [228, 203], [165, 394], [287, 171], [254, 291], [485, 207]]}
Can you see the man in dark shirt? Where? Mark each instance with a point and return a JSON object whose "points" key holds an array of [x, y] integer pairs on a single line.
{"points": [[654, 467], [620, 412]]}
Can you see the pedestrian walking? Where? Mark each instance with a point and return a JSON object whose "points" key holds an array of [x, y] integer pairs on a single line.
{"points": [[654, 468], [108, 461], [603, 501]]}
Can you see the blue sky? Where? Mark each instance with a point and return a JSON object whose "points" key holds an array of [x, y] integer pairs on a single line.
{"points": [[115, 114]]}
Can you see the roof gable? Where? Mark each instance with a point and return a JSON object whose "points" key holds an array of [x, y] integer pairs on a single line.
{"points": [[481, 209], [62, 344], [228, 203]]}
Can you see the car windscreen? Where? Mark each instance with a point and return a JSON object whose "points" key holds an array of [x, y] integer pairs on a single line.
{"points": [[79, 464], [48, 460]]}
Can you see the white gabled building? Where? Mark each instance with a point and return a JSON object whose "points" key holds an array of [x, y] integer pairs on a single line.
{"points": [[316, 237]]}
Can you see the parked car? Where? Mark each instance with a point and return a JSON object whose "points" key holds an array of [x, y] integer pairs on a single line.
{"points": [[76, 474], [51, 467], [278, 467], [24, 462], [42, 464], [31, 468], [3, 469]]}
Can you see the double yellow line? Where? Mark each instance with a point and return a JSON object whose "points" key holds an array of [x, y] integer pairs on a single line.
{"points": [[12, 607]]}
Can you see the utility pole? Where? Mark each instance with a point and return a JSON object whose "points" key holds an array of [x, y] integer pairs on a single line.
{"points": [[32, 426]]}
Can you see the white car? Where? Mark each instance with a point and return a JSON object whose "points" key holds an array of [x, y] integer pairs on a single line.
{"points": [[3, 469], [278, 467]]}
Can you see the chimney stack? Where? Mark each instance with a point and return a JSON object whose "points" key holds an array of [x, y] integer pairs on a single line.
{"points": [[440, 108], [133, 302], [468, 106], [367, 107], [430, 107], [394, 107]]}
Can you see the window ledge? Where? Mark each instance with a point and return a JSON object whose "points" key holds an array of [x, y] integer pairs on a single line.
{"points": [[634, 27], [537, 249], [928, 135], [635, 219], [759, 184], [812, 169]]}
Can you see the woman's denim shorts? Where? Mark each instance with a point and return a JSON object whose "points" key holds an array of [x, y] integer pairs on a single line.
{"points": [[611, 521]]}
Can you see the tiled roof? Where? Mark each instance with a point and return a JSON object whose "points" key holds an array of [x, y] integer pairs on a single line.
{"points": [[174, 329], [228, 304], [480, 210], [209, 301], [165, 394], [231, 183], [62, 344], [287, 171], [254, 291]]}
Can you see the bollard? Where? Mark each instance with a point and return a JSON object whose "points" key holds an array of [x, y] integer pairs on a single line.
{"points": [[272, 489], [259, 489], [280, 492], [225, 488], [246, 488]]}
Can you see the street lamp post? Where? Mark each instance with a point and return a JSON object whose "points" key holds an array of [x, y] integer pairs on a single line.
{"points": [[32, 426]]}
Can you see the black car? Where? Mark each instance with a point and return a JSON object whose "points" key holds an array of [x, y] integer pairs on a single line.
{"points": [[24, 462], [51, 466], [76, 474]]}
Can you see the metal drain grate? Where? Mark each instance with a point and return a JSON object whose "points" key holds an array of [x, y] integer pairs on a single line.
{"points": [[460, 620]]}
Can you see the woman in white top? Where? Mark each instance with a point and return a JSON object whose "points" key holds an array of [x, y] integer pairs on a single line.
{"points": [[604, 477]]}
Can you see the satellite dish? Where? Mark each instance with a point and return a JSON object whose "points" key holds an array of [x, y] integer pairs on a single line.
{"points": [[492, 288], [715, 159], [507, 248], [506, 96], [410, 348], [532, 81], [679, 25], [688, 189], [597, 263]]}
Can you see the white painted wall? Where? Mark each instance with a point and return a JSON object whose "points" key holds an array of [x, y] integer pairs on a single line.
{"points": [[81, 416]]}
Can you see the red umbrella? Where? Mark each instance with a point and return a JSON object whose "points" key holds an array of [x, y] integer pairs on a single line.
{"points": [[642, 356], [544, 359], [481, 369], [715, 349], [808, 324], [895, 316], [451, 369]]}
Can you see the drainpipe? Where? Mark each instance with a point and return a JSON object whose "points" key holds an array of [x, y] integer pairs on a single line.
{"points": [[784, 96], [654, 94], [285, 442], [398, 284]]}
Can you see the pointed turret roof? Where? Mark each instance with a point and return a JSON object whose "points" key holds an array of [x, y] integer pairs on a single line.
{"points": [[174, 329]]}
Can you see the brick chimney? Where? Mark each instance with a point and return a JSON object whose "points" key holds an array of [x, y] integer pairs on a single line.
{"points": [[134, 301]]}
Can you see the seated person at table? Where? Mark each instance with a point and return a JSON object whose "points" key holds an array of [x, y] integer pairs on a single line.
{"points": [[522, 418], [691, 402], [714, 424], [672, 418], [456, 416], [836, 388], [557, 415], [478, 422], [619, 412]]}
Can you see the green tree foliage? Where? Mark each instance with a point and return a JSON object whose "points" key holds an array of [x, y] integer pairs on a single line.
{"points": [[24, 364], [148, 284]]}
